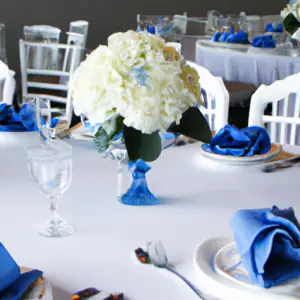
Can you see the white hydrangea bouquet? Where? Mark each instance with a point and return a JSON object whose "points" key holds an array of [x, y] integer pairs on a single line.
{"points": [[291, 16], [135, 88]]}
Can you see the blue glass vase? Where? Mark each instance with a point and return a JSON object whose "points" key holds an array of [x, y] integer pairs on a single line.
{"points": [[132, 184]]}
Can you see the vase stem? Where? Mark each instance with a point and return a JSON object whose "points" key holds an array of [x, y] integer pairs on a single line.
{"points": [[122, 164], [120, 179]]}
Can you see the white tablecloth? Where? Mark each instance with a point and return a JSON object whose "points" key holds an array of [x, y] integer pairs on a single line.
{"points": [[245, 67], [197, 203]]}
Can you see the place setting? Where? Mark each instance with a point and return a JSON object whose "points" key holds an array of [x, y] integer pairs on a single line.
{"points": [[260, 261], [141, 212], [249, 147]]}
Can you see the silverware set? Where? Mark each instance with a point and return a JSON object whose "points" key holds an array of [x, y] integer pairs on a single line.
{"points": [[282, 164]]}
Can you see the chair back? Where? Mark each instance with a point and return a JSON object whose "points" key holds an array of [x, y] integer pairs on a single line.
{"points": [[3, 56], [46, 69], [283, 99], [217, 98]]}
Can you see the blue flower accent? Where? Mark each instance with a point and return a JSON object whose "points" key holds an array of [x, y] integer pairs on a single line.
{"points": [[138, 193], [151, 29], [140, 75], [87, 124]]}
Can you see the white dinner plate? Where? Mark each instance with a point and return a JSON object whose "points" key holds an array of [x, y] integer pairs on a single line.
{"points": [[242, 161], [214, 285], [227, 262]]}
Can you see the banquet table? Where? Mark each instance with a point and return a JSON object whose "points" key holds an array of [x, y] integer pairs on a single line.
{"points": [[198, 200], [246, 64]]}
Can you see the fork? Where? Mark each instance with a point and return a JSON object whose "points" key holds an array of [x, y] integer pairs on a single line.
{"points": [[159, 259]]}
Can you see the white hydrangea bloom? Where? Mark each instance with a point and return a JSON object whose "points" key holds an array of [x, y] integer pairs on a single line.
{"points": [[96, 85], [291, 8], [131, 77]]}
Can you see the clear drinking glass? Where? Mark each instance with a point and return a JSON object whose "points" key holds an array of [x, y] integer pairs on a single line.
{"points": [[50, 168], [255, 26], [219, 22], [51, 119]]}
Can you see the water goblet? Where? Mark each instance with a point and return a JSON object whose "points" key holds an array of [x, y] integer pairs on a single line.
{"points": [[50, 168], [51, 121]]}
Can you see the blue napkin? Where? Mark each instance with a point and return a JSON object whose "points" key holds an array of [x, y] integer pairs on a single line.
{"points": [[268, 241], [216, 36], [9, 270], [271, 28], [225, 35], [17, 120], [241, 37], [264, 41], [14, 285], [245, 142]]}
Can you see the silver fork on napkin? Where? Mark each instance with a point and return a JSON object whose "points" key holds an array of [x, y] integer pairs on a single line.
{"points": [[159, 259], [281, 164]]}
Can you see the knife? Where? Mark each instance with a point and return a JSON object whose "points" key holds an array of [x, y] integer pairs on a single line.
{"points": [[281, 164]]}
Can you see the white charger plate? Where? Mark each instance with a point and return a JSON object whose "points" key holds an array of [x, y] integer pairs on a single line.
{"points": [[242, 161], [227, 262], [215, 286]]}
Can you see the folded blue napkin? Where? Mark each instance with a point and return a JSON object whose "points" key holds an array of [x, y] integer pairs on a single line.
{"points": [[228, 36], [17, 119], [216, 36], [268, 241], [225, 35], [271, 28], [264, 41], [241, 37], [13, 284], [245, 142]]}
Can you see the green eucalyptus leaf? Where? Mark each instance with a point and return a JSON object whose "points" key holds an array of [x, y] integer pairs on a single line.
{"points": [[140, 145], [101, 140], [291, 24], [194, 125], [113, 126], [107, 132]]}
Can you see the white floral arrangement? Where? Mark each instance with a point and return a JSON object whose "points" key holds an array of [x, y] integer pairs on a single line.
{"points": [[291, 16], [135, 84]]}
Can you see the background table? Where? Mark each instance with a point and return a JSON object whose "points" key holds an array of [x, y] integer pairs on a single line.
{"points": [[244, 66], [198, 200]]}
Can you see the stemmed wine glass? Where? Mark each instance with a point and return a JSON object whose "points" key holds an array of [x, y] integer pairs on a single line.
{"points": [[50, 167]]}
